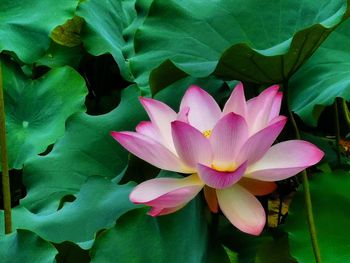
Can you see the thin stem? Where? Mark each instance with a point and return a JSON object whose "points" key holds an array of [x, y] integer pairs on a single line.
{"points": [[310, 217], [307, 195], [5, 171], [337, 130]]}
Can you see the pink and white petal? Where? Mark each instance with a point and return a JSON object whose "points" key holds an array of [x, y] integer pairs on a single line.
{"points": [[159, 211], [204, 111], [183, 114], [212, 200], [237, 103], [276, 106], [242, 209], [227, 138], [284, 160], [219, 180], [150, 150], [166, 192], [259, 143], [161, 116], [190, 144], [257, 187], [148, 129], [259, 109]]}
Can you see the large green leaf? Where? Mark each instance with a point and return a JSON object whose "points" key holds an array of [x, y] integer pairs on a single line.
{"points": [[98, 204], [256, 41], [110, 27], [59, 56], [270, 247], [25, 25], [86, 149], [24, 246], [324, 77], [179, 237], [36, 110], [331, 202]]}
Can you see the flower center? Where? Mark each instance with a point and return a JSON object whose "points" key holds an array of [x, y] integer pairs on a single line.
{"points": [[207, 133], [224, 167]]}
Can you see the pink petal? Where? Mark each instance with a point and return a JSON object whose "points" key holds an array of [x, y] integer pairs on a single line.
{"points": [[259, 143], [284, 160], [161, 116], [276, 106], [237, 103], [204, 111], [212, 200], [166, 192], [148, 129], [149, 150], [183, 114], [242, 209], [159, 211], [219, 180], [257, 187], [190, 144], [259, 109], [227, 138]]}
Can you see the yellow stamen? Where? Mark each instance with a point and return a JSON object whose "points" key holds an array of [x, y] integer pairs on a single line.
{"points": [[207, 133], [224, 167]]}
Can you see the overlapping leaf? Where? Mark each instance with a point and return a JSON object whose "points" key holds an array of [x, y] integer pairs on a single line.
{"points": [[36, 110], [324, 77], [59, 56], [110, 27], [330, 199], [180, 237], [25, 246], [256, 41], [25, 26], [87, 149], [270, 247], [98, 204]]}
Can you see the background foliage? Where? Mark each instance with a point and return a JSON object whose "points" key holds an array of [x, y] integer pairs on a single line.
{"points": [[73, 71]]}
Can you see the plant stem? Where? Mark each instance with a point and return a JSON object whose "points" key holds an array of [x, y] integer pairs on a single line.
{"points": [[308, 203], [5, 171], [337, 130]]}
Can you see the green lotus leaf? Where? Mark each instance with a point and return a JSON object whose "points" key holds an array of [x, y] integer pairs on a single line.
{"points": [[59, 56], [180, 237], [25, 246], [97, 206], [36, 110], [87, 149], [110, 27], [25, 26], [272, 246], [330, 200], [324, 77], [255, 41]]}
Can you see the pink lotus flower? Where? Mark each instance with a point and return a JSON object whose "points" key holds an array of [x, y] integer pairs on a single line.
{"points": [[228, 153]]}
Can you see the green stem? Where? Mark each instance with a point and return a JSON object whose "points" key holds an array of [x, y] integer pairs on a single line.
{"points": [[5, 171], [337, 130], [308, 203]]}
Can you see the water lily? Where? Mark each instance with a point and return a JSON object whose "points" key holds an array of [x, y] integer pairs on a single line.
{"points": [[228, 153]]}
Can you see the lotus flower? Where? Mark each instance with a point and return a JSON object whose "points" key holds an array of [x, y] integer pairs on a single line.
{"points": [[229, 153]]}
